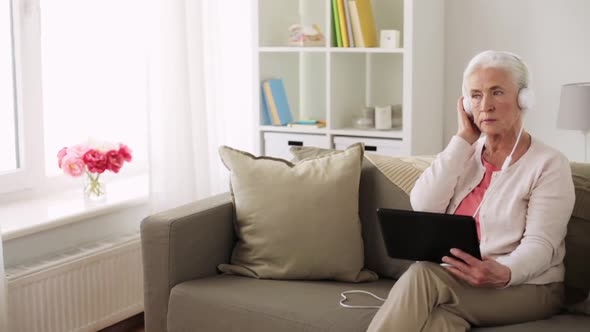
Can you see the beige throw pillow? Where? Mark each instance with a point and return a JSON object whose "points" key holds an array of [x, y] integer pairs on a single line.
{"points": [[377, 190], [297, 221]]}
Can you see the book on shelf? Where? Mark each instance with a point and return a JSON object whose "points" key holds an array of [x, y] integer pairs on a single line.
{"points": [[356, 24], [276, 103], [367, 22], [348, 23], [336, 20], [269, 104], [264, 114], [342, 21], [307, 124]]}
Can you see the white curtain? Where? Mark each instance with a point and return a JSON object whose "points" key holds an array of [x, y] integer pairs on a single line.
{"points": [[201, 96], [3, 291]]}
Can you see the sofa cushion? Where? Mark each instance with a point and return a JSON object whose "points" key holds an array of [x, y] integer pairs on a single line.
{"points": [[297, 221], [235, 303], [577, 241]]}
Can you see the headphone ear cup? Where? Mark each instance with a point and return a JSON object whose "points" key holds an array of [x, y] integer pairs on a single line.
{"points": [[467, 104], [526, 99]]}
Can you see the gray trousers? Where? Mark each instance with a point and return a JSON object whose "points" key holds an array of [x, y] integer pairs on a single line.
{"points": [[429, 298]]}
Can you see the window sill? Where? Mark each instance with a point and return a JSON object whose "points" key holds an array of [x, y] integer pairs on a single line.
{"points": [[26, 217]]}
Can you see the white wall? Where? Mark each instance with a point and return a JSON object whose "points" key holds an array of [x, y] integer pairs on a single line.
{"points": [[552, 36]]}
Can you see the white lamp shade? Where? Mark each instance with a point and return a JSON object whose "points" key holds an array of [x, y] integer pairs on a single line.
{"points": [[574, 107]]}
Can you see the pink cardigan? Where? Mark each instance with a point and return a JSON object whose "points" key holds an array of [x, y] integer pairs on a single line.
{"points": [[523, 221]]}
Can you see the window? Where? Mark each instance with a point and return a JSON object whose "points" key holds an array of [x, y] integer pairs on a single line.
{"points": [[94, 73], [8, 122], [77, 70]]}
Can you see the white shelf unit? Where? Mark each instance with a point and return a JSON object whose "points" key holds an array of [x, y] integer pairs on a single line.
{"points": [[297, 49], [334, 83]]}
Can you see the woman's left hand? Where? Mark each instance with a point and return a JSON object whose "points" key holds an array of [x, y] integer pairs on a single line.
{"points": [[478, 273]]}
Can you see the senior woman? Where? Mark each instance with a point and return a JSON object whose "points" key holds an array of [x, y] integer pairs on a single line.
{"points": [[520, 192]]}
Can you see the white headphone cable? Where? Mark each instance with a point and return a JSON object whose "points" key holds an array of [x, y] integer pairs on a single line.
{"points": [[344, 298], [508, 159], [505, 165]]}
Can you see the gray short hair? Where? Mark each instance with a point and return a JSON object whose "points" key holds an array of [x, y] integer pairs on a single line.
{"points": [[510, 62]]}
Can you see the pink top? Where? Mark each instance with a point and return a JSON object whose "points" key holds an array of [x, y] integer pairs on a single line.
{"points": [[470, 203]]}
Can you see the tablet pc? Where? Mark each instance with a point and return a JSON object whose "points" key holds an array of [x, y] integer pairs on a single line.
{"points": [[426, 236]]}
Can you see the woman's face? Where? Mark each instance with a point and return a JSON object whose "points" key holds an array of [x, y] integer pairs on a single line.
{"points": [[494, 100]]}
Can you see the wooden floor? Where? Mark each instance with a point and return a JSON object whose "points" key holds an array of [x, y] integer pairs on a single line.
{"points": [[131, 324]]}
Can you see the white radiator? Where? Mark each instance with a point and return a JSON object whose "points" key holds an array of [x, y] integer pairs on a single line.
{"points": [[86, 289]]}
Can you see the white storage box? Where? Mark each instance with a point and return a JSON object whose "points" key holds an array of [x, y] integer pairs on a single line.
{"points": [[385, 146], [278, 144]]}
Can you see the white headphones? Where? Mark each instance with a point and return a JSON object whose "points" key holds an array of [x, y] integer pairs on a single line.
{"points": [[526, 100]]}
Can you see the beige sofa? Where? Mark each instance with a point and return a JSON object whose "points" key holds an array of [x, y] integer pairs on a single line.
{"points": [[185, 292]]}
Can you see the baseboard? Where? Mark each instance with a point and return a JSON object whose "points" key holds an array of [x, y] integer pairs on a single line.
{"points": [[133, 323]]}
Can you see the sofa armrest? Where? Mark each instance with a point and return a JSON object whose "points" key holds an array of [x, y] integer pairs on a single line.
{"points": [[181, 244]]}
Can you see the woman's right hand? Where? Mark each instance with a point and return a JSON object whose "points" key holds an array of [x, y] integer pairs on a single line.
{"points": [[466, 127]]}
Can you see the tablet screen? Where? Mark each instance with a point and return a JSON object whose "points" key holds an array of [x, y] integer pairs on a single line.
{"points": [[425, 236]]}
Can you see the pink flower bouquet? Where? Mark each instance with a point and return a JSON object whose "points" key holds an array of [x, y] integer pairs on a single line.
{"points": [[93, 161]]}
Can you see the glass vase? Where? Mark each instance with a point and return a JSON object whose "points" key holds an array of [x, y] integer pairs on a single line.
{"points": [[94, 188]]}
